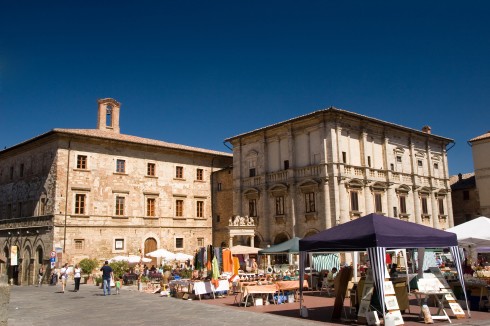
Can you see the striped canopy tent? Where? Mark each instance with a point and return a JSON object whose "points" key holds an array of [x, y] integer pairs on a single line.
{"points": [[376, 233]]}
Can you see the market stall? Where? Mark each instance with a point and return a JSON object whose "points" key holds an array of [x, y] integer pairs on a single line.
{"points": [[376, 233]]}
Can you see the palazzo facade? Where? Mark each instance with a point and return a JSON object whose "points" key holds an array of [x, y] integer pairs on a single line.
{"points": [[97, 193], [310, 173]]}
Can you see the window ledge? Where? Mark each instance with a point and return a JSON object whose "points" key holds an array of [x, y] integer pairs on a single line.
{"points": [[180, 179], [179, 218], [151, 177], [120, 217], [80, 215], [81, 170], [442, 217], [120, 173], [426, 216], [404, 216], [150, 217]]}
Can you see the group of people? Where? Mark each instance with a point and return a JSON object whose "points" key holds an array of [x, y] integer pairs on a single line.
{"points": [[62, 275]]}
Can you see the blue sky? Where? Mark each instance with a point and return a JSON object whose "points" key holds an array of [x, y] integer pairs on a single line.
{"points": [[197, 72]]}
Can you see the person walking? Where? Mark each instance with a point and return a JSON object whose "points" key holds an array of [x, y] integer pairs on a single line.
{"points": [[77, 274], [107, 275], [40, 275], [64, 276]]}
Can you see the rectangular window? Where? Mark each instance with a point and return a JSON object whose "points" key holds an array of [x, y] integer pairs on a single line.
{"points": [[119, 244], [200, 174], [200, 208], [310, 202], [280, 205], [369, 161], [251, 172], [425, 208], [21, 171], [252, 207], [403, 204], [42, 206], [179, 172], [466, 195], [200, 242], [441, 206], [120, 205], [79, 244], [19, 209], [121, 166], [179, 243], [82, 162], [436, 166], [354, 201], [286, 164], [218, 218], [378, 205], [179, 207], [80, 200], [398, 159], [344, 157], [392, 167], [419, 163], [150, 207], [219, 186], [150, 170]]}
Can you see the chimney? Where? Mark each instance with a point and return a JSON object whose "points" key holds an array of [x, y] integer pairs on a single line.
{"points": [[426, 129], [460, 176]]}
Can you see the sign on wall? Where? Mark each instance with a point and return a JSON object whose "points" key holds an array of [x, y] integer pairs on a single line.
{"points": [[13, 255]]}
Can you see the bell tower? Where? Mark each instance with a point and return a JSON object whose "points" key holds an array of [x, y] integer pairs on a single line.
{"points": [[108, 115]]}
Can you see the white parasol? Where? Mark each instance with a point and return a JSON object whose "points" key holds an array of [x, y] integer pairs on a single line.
{"points": [[244, 250], [180, 256], [162, 253], [131, 259]]}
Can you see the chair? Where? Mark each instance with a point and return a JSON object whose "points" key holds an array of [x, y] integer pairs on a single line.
{"points": [[327, 287]]}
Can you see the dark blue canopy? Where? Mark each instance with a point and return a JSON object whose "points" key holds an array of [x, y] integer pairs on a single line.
{"points": [[377, 231]]}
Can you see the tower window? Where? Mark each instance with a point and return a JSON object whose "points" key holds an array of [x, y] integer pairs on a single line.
{"points": [[108, 116]]}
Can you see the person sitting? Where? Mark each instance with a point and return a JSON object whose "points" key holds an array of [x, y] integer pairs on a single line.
{"points": [[331, 277]]}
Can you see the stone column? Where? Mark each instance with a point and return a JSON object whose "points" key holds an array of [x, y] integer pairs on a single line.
{"points": [[435, 210]]}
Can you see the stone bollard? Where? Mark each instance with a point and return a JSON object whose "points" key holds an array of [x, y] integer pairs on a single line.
{"points": [[4, 300]]}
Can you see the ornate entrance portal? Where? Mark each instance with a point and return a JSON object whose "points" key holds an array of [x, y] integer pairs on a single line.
{"points": [[242, 226]]}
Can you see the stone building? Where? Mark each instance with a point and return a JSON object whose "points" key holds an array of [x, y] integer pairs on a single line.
{"points": [[97, 193], [480, 147], [301, 176], [464, 197]]}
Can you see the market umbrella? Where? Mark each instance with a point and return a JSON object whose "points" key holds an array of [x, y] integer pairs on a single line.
{"points": [[180, 256], [244, 250], [162, 253], [131, 259]]}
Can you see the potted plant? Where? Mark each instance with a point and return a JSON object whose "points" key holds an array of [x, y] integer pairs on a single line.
{"points": [[98, 281], [88, 265]]}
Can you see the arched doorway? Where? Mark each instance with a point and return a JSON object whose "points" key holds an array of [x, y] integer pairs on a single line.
{"points": [[38, 260], [256, 241], [151, 245]]}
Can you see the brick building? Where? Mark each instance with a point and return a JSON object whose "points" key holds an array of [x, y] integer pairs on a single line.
{"points": [[97, 193]]}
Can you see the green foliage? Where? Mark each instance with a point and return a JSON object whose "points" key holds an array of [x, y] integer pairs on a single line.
{"points": [[88, 265], [186, 273], [144, 279], [119, 268], [98, 280], [167, 268]]}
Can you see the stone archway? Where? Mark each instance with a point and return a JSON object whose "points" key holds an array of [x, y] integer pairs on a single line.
{"points": [[151, 245]]}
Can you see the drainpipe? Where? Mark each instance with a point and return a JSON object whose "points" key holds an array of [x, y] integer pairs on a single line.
{"points": [[66, 195]]}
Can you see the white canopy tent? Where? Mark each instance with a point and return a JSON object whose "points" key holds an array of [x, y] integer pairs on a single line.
{"points": [[474, 235]]}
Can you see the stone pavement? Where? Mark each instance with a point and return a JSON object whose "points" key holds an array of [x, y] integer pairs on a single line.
{"points": [[46, 305]]}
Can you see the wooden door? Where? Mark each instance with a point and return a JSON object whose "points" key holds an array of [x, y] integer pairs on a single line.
{"points": [[151, 245]]}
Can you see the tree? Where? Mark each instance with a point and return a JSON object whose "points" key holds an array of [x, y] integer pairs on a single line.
{"points": [[119, 268], [88, 265]]}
